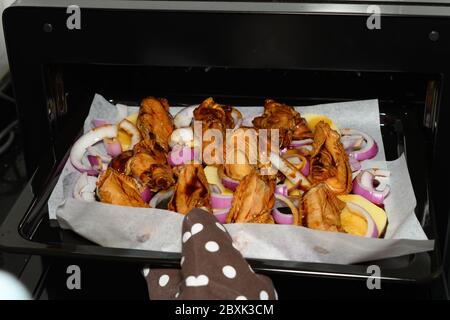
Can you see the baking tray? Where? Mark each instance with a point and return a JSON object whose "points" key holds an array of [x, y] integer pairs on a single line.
{"points": [[27, 229]]}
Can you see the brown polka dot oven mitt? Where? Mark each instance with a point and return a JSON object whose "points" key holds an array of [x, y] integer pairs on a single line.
{"points": [[211, 267]]}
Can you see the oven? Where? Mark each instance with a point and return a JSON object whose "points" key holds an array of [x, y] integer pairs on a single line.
{"points": [[239, 53]]}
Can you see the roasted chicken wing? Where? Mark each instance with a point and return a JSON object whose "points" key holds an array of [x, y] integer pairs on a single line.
{"points": [[284, 118], [322, 209], [149, 165], [253, 200], [191, 190], [329, 161], [154, 121], [119, 189]]}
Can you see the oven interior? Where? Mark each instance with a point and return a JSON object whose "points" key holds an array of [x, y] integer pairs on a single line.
{"points": [[407, 101]]}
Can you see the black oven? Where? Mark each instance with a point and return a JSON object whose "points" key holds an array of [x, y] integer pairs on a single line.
{"points": [[239, 53]]}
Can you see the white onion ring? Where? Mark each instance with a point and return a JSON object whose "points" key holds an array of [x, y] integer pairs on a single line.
{"points": [[130, 129], [368, 151], [184, 117], [291, 173], [84, 188], [95, 152], [87, 140], [363, 185], [372, 230]]}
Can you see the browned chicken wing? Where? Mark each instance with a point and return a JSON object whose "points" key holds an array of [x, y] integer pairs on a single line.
{"points": [[149, 165], [329, 161], [322, 209], [116, 188], [253, 200], [284, 118], [191, 190], [154, 121]]}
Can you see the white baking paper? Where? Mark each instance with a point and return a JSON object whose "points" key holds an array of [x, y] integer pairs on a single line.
{"points": [[160, 230]]}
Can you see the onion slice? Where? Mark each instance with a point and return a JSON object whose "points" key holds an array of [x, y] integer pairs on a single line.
{"points": [[282, 218], [85, 188], [364, 186], [161, 196], [99, 122], [299, 161], [354, 164], [221, 215], [146, 194], [281, 189], [291, 173], [131, 130], [112, 146], [184, 117], [181, 136], [229, 183], [372, 230], [87, 140], [93, 151], [182, 155], [368, 151], [221, 201]]}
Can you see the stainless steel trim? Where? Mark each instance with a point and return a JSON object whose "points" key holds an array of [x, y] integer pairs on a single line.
{"points": [[351, 7]]}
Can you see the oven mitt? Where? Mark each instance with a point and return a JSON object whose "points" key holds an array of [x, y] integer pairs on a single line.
{"points": [[211, 267]]}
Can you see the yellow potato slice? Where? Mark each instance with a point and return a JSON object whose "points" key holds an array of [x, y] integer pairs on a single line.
{"points": [[353, 223], [133, 118], [212, 177], [377, 214], [313, 119]]}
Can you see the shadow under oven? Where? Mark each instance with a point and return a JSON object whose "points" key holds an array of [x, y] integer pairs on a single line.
{"points": [[238, 53]]}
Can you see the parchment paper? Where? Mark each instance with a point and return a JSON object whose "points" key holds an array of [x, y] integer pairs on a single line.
{"points": [[155, 229]]}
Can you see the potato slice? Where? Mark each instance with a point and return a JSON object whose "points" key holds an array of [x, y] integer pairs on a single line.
{"points": [[313, 119]]}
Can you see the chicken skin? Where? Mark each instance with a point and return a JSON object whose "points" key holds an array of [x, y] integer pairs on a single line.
{"points": [[253, 200], [322, 209], [119, 189], [329, 161], [154, 121], [191, 190], [283, 117]]}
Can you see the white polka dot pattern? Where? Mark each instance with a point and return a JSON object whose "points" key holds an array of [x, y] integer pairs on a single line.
{"points": [[163, 280], [241, 298], [263, 295], [212, 246], [229, 272], [221, 227]]}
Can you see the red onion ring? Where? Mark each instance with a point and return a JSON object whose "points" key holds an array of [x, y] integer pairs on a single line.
{"points": [[112, 146], [221, 215], [87, 140], [368, 151], [354, 164], [96, 162], [281, 189], [182, 155], [146, 194], [372, 230], [291, 173], [93, 151], [99, 122], [364, 186], [297, 159], [229, 183], [213, 188], [221, 201], [283, 218]]}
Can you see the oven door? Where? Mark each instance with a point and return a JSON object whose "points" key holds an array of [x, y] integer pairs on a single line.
{"points": [[222, 51]]}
